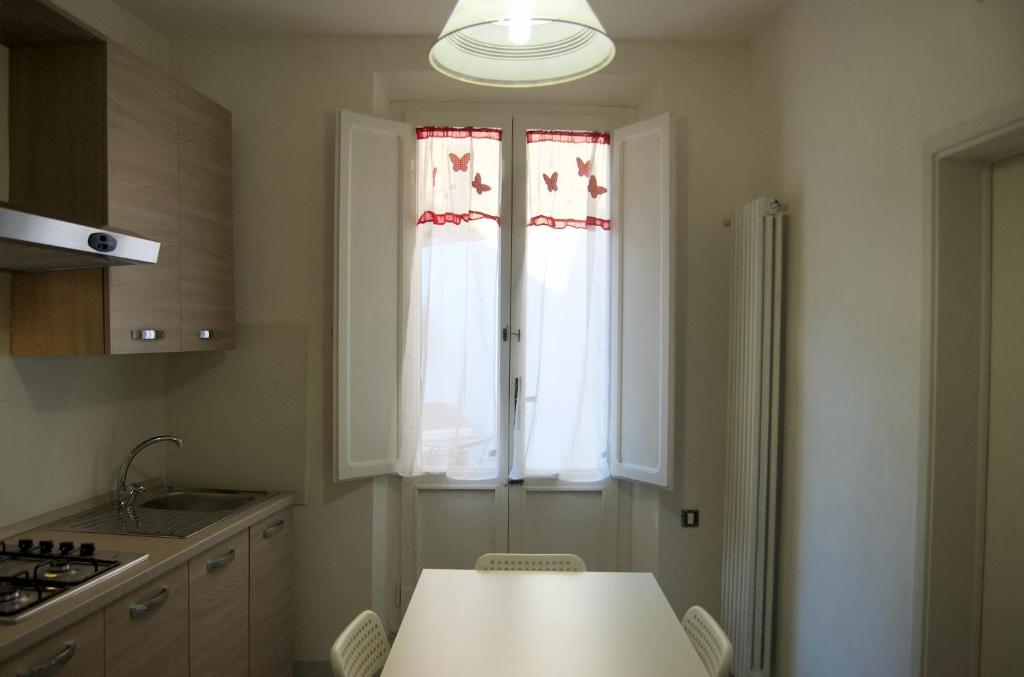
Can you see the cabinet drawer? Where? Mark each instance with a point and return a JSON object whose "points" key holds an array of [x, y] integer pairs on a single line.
{"points": [[77, 651], [218, 585], [270, 592], [147, 629]]}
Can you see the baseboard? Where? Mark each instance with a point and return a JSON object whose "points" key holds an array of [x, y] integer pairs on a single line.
{"points": [[311, 669]]}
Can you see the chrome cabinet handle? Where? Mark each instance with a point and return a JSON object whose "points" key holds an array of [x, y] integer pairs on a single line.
{"points": [[142, 608], [53, 665], [222, 561], [209, 334], [147, 334], [270, 531]]}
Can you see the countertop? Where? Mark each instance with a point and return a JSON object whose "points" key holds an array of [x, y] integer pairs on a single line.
{"points": [[164, 554]]}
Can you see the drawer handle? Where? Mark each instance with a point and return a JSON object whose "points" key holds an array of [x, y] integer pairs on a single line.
{"points": [[147, 334], [142, 608], [270, 531], [222, 561], [210, 334], [53, 665]]}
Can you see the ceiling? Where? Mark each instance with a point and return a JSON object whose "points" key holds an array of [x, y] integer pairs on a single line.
{"points": [[659, 19]]}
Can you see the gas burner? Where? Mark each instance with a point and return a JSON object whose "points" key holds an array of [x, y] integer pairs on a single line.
{"points": [[8, 592], [60, 566], [32, 577]]}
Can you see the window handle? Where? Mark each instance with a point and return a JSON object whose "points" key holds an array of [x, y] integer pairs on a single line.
{"points": [[515, 473]]}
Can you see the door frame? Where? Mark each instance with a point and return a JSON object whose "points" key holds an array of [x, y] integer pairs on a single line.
{"points": [[953, 459]]}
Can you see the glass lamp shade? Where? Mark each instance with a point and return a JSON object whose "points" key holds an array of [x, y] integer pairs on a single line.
{"points": [[521, 43]]}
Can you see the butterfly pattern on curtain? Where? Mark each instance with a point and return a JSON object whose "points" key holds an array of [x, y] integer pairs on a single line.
{"points": [[464, 166], [569, 188]]}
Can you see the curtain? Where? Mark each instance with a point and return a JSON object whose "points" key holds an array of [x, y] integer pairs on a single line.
{"points": [[450, 365], [562, 419]]}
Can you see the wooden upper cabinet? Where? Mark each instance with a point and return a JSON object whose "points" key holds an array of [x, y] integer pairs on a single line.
{"points": [[207, 230], [101, 137], [142, 194]]}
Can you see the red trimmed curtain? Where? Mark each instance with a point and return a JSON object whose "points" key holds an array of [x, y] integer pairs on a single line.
{"points": [[451, 355], [569, 174], [566, 322], [458, 174]]}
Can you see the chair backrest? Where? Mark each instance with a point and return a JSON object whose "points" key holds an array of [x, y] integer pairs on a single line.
{"points": [[512, 561], [361, 649], [710, 641]]}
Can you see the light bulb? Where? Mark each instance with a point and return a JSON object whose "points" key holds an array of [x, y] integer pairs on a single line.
{"points": [[519, 21]]}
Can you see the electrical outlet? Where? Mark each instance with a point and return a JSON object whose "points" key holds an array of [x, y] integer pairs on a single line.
{"points": [[690, 518]]}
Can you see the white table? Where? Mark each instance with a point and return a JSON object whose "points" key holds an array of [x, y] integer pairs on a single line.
{"points": [[496, 624]]}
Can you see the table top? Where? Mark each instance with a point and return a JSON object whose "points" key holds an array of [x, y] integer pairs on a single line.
{"points": [[469, 623]]}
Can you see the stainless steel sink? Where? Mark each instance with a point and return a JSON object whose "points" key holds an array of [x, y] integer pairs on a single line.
{"points": [[176, 513], [197, 501]]}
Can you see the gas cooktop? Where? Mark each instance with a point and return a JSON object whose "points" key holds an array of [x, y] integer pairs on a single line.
{"points": [[34, 576]]}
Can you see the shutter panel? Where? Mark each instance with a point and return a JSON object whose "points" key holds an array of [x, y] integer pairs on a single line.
{"points": [[642, 301], [373, 219]]}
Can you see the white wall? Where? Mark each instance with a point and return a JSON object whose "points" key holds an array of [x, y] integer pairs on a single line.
{"points": [[282, 93], [846, 94], [65, 423]]}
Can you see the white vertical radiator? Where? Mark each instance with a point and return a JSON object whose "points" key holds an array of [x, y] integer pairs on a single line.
{"points": [[752, 451]]}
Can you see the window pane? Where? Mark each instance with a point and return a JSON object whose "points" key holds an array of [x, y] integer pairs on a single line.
{"points": [[459, 173], [566, 328]]}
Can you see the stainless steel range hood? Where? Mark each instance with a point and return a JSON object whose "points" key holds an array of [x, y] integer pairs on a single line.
{"points": [[36, 243]]}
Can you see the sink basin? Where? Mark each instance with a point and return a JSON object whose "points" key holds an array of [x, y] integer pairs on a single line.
{"points": [[196, 501], [171, 512]]}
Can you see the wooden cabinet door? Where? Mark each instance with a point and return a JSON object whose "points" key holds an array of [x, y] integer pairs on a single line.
{"points": [[77, 651], [142, 199], [207, 231], [218, 583], [147, 629], [270, 596]]}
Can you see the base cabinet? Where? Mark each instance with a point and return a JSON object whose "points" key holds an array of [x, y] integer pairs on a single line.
{"points": [[227, 612], [218, 590], [77, 650], [270, 596], [147, 629]]}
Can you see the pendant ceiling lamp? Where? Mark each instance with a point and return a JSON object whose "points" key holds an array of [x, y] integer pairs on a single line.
{"points": [[521, 43]]}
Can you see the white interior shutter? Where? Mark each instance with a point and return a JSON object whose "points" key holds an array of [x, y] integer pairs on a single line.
{"points": [[642, 301], [373, 222]]}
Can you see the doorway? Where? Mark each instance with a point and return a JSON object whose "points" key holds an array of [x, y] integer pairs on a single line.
{"points": [[971, 428], [1002, 619]]}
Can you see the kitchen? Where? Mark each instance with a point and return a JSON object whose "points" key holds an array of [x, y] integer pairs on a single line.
{"points": [[258, 417]]}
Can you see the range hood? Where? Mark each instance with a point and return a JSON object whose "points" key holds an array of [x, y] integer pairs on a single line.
{"points": [[29, 242]]}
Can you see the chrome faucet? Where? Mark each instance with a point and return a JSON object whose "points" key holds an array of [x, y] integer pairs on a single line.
{"points": [[125, 494]]}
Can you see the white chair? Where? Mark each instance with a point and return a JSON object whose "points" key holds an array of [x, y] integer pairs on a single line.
{"points": [[511, 561], [710, 641], [361, 649]]}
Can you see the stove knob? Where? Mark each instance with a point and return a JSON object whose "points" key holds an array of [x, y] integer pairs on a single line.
{"points": [[45, 547], [66, 547], [87, 549], [25, 544]]}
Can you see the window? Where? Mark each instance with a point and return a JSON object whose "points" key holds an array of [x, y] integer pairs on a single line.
{"points": [[422, 283], [566, 323], [456, 250]]}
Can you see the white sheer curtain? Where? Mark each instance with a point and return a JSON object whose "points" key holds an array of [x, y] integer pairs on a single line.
{"points": [[562, 424], [450, 367]]}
